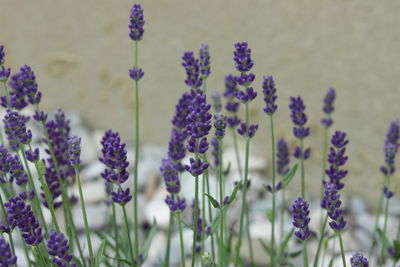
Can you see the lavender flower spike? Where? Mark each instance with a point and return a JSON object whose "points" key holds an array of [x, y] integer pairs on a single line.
{"points": [[204, 56], [282, 157], [391, 148], [358, 260], [6, 257], [270, 96], [328, 107], [15, 128], [136, 23], [337, 159], [136, 73], [58, 248], [301, 219], [220, 125], [21, 215], [192, 68], [299, 118], [74, 150], [2, 55], [242, 57], [331, 202], [171, 176]]}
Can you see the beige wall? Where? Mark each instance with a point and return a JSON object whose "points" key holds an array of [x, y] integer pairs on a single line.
{"points": [[81, 52]]}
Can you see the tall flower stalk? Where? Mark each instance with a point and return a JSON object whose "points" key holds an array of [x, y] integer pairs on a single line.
{"points": [[136, 34], [299, 119], [270, 97], [282, 163], [244, 63]]}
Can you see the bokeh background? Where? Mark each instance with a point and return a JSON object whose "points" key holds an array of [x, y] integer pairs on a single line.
{"points": [[81, 54]]}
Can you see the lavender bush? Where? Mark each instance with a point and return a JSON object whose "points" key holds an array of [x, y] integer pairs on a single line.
{"points": [[36, 196]]}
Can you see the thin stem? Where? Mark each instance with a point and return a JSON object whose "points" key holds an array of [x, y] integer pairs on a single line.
{"points": [[46, 190], [221, 200], [195, 216], [282, 215], [384, 232], [303, 189], [84, 213], [7, 93], [136, 162], [251, 253], [36, 201], [376, 225], [305, 254], [115, 232], [342, 249], [129, 236], [203, 210], [273, 190], [167, 250], [244, 189], [235, 144], [321, 238], [182, 244]]}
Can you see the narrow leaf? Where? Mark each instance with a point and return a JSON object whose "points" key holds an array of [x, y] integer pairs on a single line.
{"points": [[149, 239], [234, 193], [266, 248], [100, 253], [213, 201], [289, 176]]}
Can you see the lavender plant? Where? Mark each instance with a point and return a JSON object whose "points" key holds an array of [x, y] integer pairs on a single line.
{"points": [[23, 166]]}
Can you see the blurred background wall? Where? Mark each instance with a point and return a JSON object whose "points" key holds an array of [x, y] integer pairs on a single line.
{"points": [[81, 54]]}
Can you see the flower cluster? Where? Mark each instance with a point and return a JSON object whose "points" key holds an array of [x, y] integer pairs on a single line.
{"points": [[74, 150], [6, 257], [358, 260], [136, 23], [232, 105], [204, 56], [328, 107], [10, 165], [337, 159], [4, 72], [192, 68], [299, 119], [282, 157], [21, 215], [15, 129], [391, 148], [270, 96], [114, 158], [58, 248], [301, 219], [331, 202]]}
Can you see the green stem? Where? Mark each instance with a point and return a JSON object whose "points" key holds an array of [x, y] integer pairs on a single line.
{"points": [[129, 236], [221, 200], [305, 254], [136, 162], [342, 249], [303, 185], [84, 213], [7, 93], [195, 216], [273, 190], [382, 258], [376, 225], [244, 186], [203, 210], [167, 250], [115, 232], [182, 244], [321, 238], [46, 190], [235, 144], [251, 253], [36, 201], [282, 217]]}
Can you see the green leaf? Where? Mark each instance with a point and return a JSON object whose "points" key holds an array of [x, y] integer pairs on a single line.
{"points": [[118, 259], [289, 176], [295, 254], [383, 238], [331, 262], [77, 261], [213, 201], [270, 215], [100, 252], [234, 193], [227, 170], [149, 239], [266, 248], [285, 241]]}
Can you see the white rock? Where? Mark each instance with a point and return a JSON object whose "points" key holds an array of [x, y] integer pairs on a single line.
{"points": [[158, 210], [96, 216], [93, 192], [92, 171]]}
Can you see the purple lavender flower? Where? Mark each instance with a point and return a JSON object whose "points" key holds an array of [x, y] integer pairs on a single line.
{"points": [[199, 118], [170, 176], [32, 156], [242, 57], [20, 215], [6, 257], [175, 203], [182, 111], [15, 129], [245, 79], [301, 219], [220, 125], [215, 150], [246, 96], [114, 157], [16, 171], [337, 159], [230, 87], [74, 150], [270, 96], [58, 248], [331, 202], [192, 67], [2, 55], [204, 56], [247, 132], [328, 107], [176, 147], [4, 74], [282, 157], [358, 260], [17, 93], [232, 106], [4, 164], [30, 86], [196, 167], [136, 73], [136, 23], [299, 118], [40, 116], [391, 148]]}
